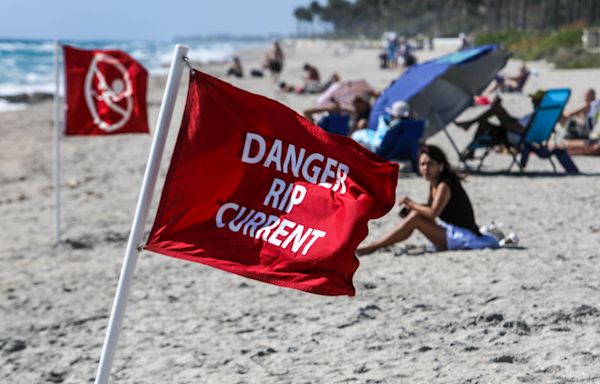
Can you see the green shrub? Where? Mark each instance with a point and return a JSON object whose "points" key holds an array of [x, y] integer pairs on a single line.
{"points": [[568, 38], [506, 37], [563, 47], [575, 58]]}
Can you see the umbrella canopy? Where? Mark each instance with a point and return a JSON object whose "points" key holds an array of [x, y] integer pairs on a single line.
{"points": [[344, 92], [440, 89]]}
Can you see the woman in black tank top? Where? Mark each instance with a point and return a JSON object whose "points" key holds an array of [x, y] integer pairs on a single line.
{"points": [[447, 202]]}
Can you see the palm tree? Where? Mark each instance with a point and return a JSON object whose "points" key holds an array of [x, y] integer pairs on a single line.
{"points": [[315, 11], [302, 15]]}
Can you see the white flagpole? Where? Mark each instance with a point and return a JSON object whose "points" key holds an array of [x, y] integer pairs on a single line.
{"points": [[57, 135], [141, 213]]}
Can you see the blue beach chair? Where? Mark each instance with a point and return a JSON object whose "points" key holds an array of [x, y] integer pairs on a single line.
{"points": [[402, 142], [335, 123], [536, 136], [540, 129]]}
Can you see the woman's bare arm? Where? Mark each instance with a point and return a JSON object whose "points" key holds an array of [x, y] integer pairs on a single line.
{"points": [[582, 110], [441, 198]]}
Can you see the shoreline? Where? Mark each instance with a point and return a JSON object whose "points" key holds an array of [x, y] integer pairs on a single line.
{"points": [[35, 83]]}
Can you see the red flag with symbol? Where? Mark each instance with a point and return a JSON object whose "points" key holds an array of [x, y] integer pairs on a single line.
{"points": [[257, 190], [105, 93]]}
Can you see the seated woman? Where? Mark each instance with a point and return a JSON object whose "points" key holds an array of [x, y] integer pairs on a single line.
{"points": [[447, 220], [508, 132], [235, 69], [362, 111]]}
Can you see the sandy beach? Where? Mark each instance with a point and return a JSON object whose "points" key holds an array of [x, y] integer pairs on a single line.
{"points": [[524, 315]]}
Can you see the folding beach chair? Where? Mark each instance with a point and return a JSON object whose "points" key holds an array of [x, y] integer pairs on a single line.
{"points": [[536, 136], [402, 142], [540, 129], [335, 123]]}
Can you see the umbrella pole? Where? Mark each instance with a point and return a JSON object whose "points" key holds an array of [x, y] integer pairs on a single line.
{"points": [[460, 158]]}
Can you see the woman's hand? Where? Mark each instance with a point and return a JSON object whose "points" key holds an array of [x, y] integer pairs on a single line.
{"points": [[406, 201]]}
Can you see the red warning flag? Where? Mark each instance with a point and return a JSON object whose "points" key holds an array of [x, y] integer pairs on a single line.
{"points": [[105, 93], [257, 190]]}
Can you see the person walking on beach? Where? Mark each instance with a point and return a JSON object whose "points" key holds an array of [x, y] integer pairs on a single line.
{"points": [[406, 53], [274, 61], [447, 219], [392, 50], [465, 42]]}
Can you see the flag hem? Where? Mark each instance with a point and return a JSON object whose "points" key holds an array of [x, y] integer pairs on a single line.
{"points": [[348, 291]]}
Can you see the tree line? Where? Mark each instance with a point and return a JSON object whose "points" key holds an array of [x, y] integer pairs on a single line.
{"points": [[370, 18]]}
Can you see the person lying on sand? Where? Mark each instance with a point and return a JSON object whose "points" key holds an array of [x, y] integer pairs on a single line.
{"points": [[447, 219], [311, 81], [579, 147]]}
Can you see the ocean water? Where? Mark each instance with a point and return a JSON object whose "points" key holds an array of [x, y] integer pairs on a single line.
{"points": [[27, 66]]}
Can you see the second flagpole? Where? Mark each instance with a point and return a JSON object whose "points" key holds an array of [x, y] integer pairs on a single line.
{"points": [[57, 135], [141, 214]]}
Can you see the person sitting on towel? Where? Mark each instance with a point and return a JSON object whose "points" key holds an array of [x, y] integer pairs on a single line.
{"points": [[511, 83], [311, 82], [235, 69], [447, 219]]}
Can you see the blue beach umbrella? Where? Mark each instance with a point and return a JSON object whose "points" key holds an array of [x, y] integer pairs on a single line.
{"points": [[440, 89]]}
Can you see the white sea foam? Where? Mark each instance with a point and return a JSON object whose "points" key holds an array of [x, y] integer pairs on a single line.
{"points": [[27, 66], [216, 53], [5, 106], [20, 89], [8, 46], [159, 71]]}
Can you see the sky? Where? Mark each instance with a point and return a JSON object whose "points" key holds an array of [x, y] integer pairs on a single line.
{"points": [[162, 20]]}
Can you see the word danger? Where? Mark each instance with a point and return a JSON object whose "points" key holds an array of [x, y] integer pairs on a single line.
{"points": [[313, 167]]}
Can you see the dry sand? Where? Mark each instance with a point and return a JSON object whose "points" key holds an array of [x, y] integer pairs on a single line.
{"points": [[526, 315]]}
